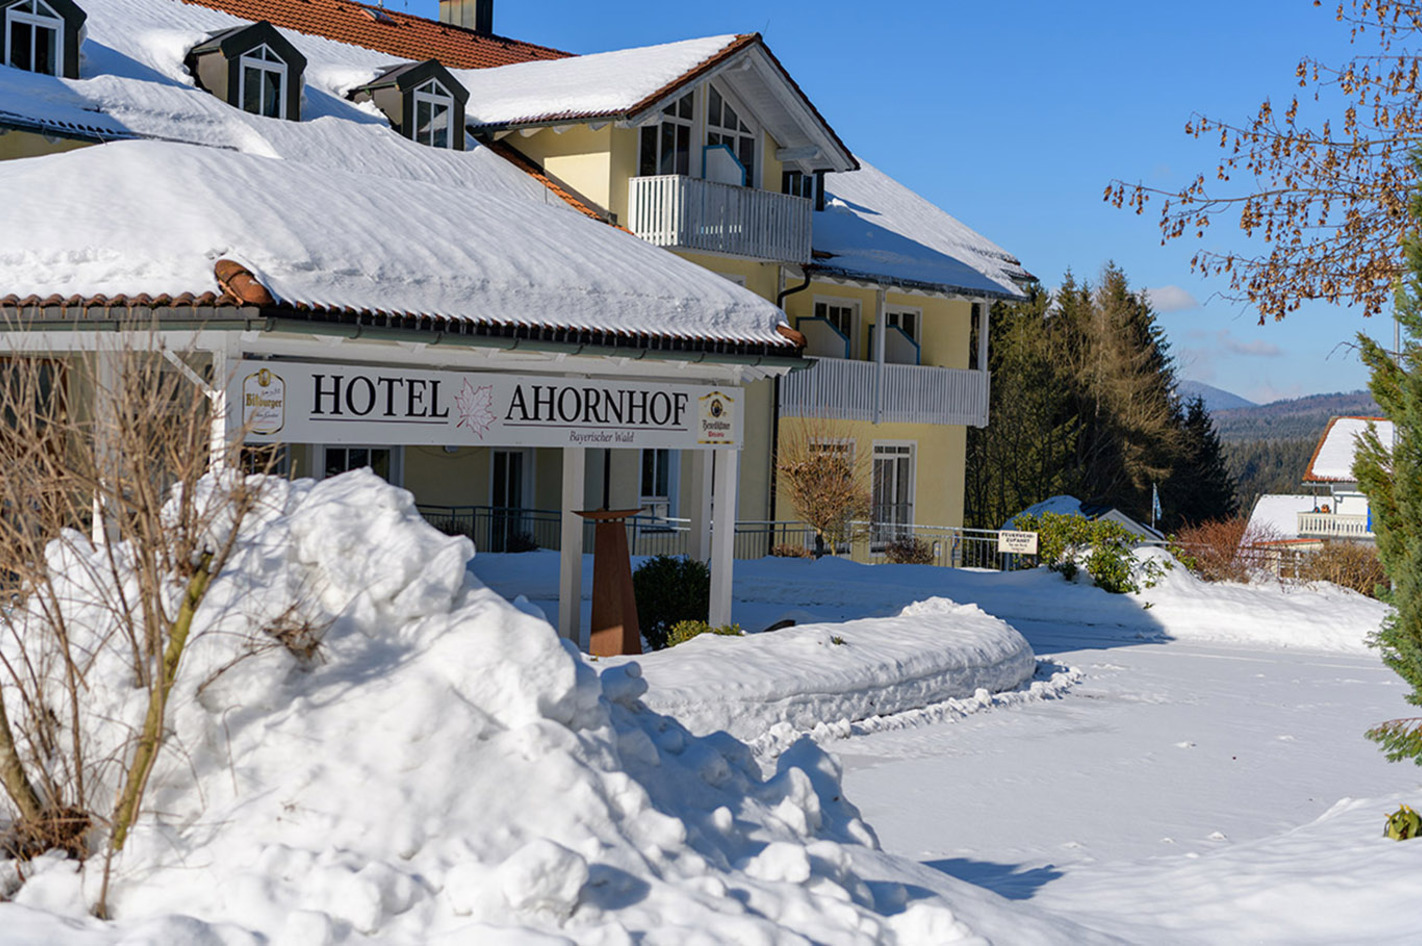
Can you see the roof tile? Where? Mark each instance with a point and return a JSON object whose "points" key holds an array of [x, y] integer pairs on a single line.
{"points": [[387, 31]]}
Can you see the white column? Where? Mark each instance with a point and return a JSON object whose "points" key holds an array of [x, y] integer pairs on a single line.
{"points": [[107, 353], [881, 342], [702, 462], [217, 398], [984, 308], [723, 535], [570, 568]]}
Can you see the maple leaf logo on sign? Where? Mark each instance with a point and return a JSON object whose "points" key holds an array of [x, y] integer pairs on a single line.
{"points": [[476, 408]]}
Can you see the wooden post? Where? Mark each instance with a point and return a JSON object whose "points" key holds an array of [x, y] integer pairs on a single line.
{"points": [[614, 605], [723, 536], [570, 567]]}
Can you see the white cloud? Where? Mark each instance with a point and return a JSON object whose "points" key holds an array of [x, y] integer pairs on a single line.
{"points": [[1172, 299]]}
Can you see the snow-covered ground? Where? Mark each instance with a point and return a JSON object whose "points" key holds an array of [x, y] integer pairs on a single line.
{"points": [[1201, 779], [1183, 767]]}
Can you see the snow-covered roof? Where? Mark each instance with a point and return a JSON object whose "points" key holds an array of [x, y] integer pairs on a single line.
{"points": [[335, 210], [1332, 460], [873, 226], [1276, 516], [597, 84]]}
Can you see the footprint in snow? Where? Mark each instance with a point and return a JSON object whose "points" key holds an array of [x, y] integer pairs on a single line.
{"points": [[1187, 744]]}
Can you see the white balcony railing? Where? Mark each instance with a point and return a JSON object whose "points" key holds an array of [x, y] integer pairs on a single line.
{"points": [[1332, 525], [839, 389], [694, 214]]}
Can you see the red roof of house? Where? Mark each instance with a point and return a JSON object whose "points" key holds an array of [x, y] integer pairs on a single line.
{"points": [[387, 31]]}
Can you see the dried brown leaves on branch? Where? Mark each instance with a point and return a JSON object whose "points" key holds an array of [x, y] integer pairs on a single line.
{"points": [[825, 478], [1328, 200]]}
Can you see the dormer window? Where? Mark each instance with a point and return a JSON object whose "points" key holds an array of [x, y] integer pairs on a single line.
{"points": [[423, 102], [253, 68], [263, 83], [42, 36]]}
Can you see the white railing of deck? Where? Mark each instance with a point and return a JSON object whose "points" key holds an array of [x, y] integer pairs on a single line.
{"points": [[1332, 525], [913, 394], [694, 214]]}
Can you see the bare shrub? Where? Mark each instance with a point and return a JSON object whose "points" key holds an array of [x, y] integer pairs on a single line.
{"points": [[109, 540], [1228, 550], [909, 550], [790, 550], [1348, 564], [825, 478]]}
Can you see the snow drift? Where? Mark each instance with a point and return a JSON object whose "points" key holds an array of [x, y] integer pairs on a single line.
{"points": [[449, 767]]}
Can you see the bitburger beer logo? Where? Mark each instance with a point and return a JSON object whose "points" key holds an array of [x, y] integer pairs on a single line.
{"points": [[263, 402]]}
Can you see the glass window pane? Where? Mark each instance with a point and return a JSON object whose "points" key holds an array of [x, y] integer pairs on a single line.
{"points": [[271, 94], [647, 165], [21, 37], [423, 111], [733, 121], [713, 116], [252, 90], [649, 472], [684, 106], [336, 461], [747, 157], [380, 463], [46, 51], [683, 149], [439, 126], [359, 457]]}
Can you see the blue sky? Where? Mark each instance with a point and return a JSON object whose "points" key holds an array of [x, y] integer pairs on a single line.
{"points": [[1013, 116]]}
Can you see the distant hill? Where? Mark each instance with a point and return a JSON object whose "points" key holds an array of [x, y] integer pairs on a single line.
{"points": [[1303, 417], [1216, 399]]}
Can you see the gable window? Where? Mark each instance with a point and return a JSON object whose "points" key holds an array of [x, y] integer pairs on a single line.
{"points": [[34, 38], [726, 126], [251, 67], [434, 115], [422, 100], [665, 148], [263, 83]]}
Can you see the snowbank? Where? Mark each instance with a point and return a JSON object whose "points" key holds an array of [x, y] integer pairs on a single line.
{"points": [[450, 768], [816, 674]]}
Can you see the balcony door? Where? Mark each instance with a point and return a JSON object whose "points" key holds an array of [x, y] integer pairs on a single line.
{"points": [[892, 512]]}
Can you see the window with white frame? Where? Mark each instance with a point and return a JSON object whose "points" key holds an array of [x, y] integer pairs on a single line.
{"points": [[262, 82], [891, 514], [725, 125], [384, 461], [905, 320], [665, 148], [658, 497], [797, 184], [843, 314], [34, 38], [434, 115]]}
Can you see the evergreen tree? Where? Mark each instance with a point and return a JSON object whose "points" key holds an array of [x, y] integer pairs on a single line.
{"points": [[1201, 488], [1391, 475]]}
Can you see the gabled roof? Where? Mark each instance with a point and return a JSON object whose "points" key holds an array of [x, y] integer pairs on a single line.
{"points": [[387, 31], [240, 39], [1332, 460], [413, 74], [877, 230], [634, 84], [1275, 516]]}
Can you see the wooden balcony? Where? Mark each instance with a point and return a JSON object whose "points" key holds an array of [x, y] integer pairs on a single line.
{"points": [[1332, 525], [689, 213], [839, 389]]}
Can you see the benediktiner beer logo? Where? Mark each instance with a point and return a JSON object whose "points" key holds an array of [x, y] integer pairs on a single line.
{"points": [[263, 402]]}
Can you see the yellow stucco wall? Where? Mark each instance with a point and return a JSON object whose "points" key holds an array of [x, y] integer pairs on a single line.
{"points": [[579, 157], [23, 144]]}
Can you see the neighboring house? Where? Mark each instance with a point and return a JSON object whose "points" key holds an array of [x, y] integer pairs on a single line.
{"points": [[1092, 512], [308, 224], [1342, 512]]}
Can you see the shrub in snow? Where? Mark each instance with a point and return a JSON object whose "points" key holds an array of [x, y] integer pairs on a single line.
{"points": [[908, 550], [1348, 565], [685, 630], [670, 589], [1402, 824], [451, 769], [1106, 549]]}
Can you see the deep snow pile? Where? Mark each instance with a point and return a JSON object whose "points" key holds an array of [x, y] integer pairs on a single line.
{"points": [[451, 767], [814, 674]]}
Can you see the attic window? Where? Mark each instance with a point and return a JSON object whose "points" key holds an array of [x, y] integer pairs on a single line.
{"points": [[262, 78], [34, 38], [724, 126], [434, 115], [251, 67]]}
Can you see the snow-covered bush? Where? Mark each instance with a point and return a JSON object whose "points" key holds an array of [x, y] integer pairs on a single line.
{"points": [[1105, 549], [683, 631]]}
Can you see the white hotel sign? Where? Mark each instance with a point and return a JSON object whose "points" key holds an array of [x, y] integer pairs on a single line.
{"points": [[292, 402]]}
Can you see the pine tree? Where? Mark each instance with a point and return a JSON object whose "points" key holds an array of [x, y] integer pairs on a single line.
{"points": [[1391, 475], [1201, 488]]}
